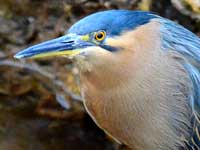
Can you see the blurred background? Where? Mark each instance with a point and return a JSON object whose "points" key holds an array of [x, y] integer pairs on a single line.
{"points": [[40, 106]]}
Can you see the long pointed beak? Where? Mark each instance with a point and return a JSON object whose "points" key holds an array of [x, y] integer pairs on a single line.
{"points": [[68, 45]]}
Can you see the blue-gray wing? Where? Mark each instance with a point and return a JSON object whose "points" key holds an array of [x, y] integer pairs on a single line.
{"points": [[181, 40]]}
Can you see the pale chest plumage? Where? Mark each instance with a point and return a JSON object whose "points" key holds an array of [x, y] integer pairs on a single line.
{"points": [[142, 103]]}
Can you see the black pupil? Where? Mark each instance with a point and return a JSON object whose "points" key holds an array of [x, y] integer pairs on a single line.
{"points": [[99, 35]]}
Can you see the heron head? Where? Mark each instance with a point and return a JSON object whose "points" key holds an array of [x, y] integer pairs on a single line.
{"points": [[98, 38]]}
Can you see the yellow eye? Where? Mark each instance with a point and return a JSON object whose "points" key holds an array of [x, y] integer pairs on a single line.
{"points": [[99, 36]]}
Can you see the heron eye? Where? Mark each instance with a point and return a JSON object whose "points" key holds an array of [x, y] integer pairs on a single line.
{"points": [[99, 36]]}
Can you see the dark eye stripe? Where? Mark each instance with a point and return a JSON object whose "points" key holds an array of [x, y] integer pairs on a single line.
{"points": [[109, 48]]}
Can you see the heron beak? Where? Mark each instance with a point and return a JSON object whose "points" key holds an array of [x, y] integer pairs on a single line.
{"points": [[68, 45]]}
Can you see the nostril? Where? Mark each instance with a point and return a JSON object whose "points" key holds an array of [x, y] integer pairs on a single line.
{"points": [[68, 41]]}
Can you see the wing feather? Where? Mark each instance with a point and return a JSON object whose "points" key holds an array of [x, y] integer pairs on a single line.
{"points": [[178, 39]]}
